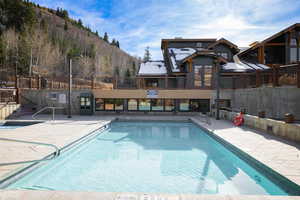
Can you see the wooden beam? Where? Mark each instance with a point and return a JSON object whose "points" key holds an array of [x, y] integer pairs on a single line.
{"points": [[261, 55], [275, 44], [190, 63]]}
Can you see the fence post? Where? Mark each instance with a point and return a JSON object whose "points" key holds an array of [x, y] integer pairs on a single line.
{"points": [[275, 76], [30, 82], [39, 82], [298, 76], [258, 78]]}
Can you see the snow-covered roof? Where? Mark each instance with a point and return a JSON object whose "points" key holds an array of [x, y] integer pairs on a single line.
{"points": [[243, 67], [153, 68], [177, 55]]}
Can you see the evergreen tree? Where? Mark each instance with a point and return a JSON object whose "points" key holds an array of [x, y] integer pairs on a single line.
{"points": [[127, 74], [79, 23], [96, 33], [66, 26], [133, 68], [113, 42], [118, 44], [147, 55], [105, 38], [116, 71]]}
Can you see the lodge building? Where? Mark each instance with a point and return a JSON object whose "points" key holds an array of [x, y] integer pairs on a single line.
{"points": [[183, 82]]}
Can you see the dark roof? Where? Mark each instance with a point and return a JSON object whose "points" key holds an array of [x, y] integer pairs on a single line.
{"points": [[258, 44], [187, 40], [223, 40], [204, 53]]}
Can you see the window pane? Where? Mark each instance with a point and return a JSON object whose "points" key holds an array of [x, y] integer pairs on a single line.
{"points": [[132, 104], [224, 55], [109, 104], [197, 76], [293, 54], [157, 104], [184, 105], [119, 104], [99, 104], [169, 105], [293, 42], [144, 104], [207, 75]]}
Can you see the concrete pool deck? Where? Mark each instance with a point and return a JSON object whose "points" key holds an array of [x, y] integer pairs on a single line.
{"points": [[279, 154]]}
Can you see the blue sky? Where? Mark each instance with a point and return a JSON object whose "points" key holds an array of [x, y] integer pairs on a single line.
{"points": [[140, 23]]}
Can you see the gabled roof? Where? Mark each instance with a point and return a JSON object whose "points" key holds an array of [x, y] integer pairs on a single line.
{"points": [[256, 44], [204, 53], [187, 40], [152, 68], [224, 41]]}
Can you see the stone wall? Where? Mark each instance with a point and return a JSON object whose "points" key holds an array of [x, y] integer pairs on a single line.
{"points": [[276, 102], [274, 127]]}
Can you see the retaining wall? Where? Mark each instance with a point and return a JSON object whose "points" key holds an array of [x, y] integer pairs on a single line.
{"points": [[274, 127]]}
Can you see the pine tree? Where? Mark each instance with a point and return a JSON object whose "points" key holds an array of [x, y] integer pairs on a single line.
{"points": [[147, 55], [127, 74], [118, 44], [66, 26], [79, 23], [117, 72], [113, 42], [105, 38], [97, 33], [133, 68]]}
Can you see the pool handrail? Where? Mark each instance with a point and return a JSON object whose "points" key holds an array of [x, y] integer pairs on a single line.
{"points": [[55, 154], [45, 108]]}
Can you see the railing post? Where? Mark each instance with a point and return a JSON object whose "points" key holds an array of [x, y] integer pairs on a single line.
{"points": [[39, 82], [275, 76], [258, 78], [298, 76]]}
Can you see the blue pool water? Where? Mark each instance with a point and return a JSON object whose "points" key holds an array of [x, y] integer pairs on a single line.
{"points": [[154, 157]]}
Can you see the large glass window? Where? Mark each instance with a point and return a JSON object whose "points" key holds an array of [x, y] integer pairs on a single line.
{"points": [[207, 75], [197, 76], [293, 54], [169, 104], [109, 104], [144, 104], [99, 104], [184, 105], [119, 104], [132, 104], [157, 105]]}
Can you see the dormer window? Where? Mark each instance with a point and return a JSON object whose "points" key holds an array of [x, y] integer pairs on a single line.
{"points": [[223, 54], [199, 44]]}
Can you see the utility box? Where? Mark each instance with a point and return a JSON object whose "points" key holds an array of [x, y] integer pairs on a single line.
{"points": [[86, 104]]}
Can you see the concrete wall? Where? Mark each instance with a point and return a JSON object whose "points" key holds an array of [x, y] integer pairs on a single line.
{"points": [[7, 110], [276, 102], [274, 127], [43, 98]]}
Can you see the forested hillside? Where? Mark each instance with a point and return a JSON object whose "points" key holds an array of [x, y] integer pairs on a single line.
{"points": [[39, 41]]}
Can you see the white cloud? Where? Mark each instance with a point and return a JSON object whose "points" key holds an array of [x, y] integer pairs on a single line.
{"points": [[137, 24]]}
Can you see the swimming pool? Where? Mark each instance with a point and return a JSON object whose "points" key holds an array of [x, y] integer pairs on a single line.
{"points": [[151, 157]]}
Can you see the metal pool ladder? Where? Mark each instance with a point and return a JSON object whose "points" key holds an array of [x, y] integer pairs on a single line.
{"points": [[47, 158], [45, 108]]}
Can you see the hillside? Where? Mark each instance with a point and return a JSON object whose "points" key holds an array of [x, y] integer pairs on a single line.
{"points": [[39, 40]]}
